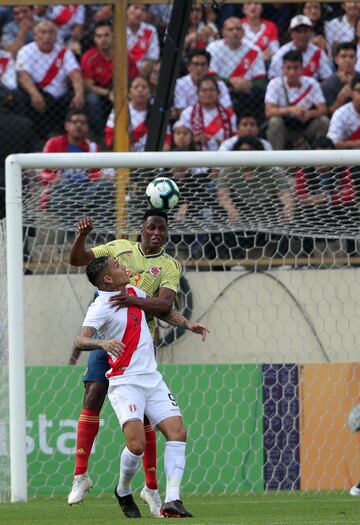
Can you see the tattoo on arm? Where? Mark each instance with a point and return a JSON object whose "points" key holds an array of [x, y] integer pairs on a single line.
{"points": [[85, 340], [174, 318]]}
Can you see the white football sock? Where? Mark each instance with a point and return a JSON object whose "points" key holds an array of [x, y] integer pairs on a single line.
{"points": [[174, 461], [129, 463]]}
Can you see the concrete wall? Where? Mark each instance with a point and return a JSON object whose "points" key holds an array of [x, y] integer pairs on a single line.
{"points": [[278, 316]]}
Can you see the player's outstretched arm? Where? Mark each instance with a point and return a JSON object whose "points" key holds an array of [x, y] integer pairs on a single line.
{"points": [[85, 342], [175, 318], [79, 255]]}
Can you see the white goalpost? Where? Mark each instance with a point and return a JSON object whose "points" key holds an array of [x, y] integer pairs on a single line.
{"points": [[234, 216]]}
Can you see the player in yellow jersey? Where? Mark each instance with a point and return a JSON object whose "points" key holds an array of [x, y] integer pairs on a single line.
{"points": [[157, 274]]}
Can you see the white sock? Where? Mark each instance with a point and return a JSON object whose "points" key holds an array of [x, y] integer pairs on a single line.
{"points": [[129, 463], [174, 461]]}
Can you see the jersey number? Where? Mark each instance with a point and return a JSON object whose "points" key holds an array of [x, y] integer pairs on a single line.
{"points": [[173, 400]]}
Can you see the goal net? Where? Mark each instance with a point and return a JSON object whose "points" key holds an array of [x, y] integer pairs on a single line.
{"points": [[269, 249]]}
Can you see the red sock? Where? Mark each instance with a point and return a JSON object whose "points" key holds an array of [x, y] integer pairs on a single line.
{"points": [[149, 457], [88, 428]]}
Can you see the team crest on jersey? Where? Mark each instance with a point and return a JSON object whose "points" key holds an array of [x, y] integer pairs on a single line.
{"points": [[154, 271], [132, 408]]}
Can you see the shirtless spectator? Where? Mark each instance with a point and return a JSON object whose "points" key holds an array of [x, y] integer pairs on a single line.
{"points": [[20, 31], [97, 69], [344, 128], [315, 61], [142, 40], [186, 88], [240, 64], [260, 32], [44, 69], [342, 28], [295, 107], [337, 89]]}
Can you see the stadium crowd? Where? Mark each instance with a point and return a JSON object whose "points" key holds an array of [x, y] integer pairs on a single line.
{"points": [[283, 76]]}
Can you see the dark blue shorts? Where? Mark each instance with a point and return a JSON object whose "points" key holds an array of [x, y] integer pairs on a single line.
{"points": [[97, 365]]}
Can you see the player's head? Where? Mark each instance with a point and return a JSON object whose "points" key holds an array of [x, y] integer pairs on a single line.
{"points": [[154, 229], [106, 273]]}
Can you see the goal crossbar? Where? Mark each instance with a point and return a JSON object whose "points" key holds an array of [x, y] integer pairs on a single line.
{"points": [[14, 244]]}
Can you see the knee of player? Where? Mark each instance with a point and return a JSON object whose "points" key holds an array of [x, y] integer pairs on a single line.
{"points": [[177, 433], [135, 446]]}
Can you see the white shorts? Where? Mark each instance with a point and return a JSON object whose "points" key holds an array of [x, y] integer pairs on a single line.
{"points": [[132, 401]]}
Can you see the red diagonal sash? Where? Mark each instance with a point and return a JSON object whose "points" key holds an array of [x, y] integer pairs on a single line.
{"points": [[246, 62], [301, 97], [313, 65], [53, 69], [65, 15], [355, 135], [139, 132], [141, 46], [265, 38], [3, 64]]}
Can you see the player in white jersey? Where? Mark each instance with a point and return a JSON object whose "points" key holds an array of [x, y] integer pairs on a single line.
{"points": [[344, 129], [315, 61], [136, 387]]}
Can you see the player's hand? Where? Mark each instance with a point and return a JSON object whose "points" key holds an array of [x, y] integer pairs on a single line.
{"points": [[85, 225], [197, 328], [122, 300], [113, 346]]}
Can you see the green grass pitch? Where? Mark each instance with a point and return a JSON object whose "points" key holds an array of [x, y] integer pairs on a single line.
{"points": [[324, 508]]}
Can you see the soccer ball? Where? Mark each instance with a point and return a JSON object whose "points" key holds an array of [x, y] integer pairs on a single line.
{"points": [[162, 193], [354, 419]]}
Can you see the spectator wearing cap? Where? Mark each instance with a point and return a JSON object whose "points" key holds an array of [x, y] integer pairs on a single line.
{"points": [[337, 89], [240, 64], [44, 69], [142, 40], [97, 69], [186, 88], [315, 61], [344, 129], [342, 28], [295, 106]]}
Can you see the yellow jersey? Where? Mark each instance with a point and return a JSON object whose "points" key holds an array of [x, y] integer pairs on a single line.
{"points": [[147, 272]]}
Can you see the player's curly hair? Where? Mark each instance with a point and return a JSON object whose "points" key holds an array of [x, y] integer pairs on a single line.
{"points": [[151, 212], [95, 268]]}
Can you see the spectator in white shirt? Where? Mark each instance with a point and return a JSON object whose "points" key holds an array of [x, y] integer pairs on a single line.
{"points": [[341, 29], [260, 32], [241, 65], [186, 88], [344, 128], [142, 39], [247, 126], [295, 106], [44, 69], [315, 61]]}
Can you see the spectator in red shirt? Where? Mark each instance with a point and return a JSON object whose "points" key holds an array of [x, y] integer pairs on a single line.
{"points": [[97, 68]]}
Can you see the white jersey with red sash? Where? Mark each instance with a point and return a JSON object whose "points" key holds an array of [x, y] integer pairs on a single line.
{"points": [[267, 38], [345, 124], [186, 93], [138, 129], [306, 95], [49, 71], [338, 29], [65, 17], [245, 61], [7, 70], [130, 326], [315, 62], [219, 123], [144, 44]]}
